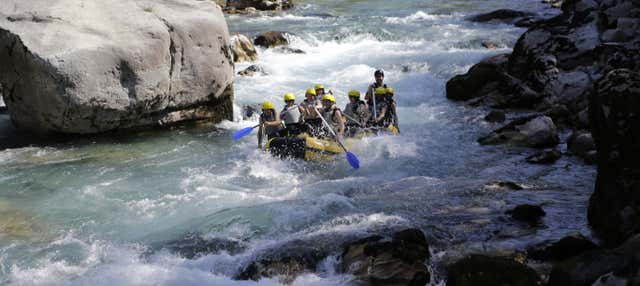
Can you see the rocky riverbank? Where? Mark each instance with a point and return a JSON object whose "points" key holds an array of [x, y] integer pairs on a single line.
{"points": [[577, 72]]}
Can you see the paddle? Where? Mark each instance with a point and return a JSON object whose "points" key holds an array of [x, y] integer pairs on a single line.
{"points": [[243, 132], [351, 158]]}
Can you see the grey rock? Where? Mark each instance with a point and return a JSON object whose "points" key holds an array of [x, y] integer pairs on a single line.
{"points": [[288, 50], [563, 249], [485, 270], [262, 5], [243, 49], [89, 67], [546, 156], [270, 39], [532, 131], [495, 116], [502, 15], [580, 143], [251, 70], [503, 186]]}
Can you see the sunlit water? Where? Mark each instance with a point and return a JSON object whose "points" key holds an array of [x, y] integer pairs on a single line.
{"points": [[96, 211]]}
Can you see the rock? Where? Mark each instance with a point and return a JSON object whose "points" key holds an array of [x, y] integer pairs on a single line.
{"points": [[194, 245], [614, 206], [503, 186], [263, 5], [250, 111], [474, 82], [484, 270], [531, 131], [379, 261], [101, 66], [588, 267], [288, 50], [546, 156], [3, 107], [580, 143], [243, 50], [502, 15], [565, 248], [495, 116], [530, 214], [251, 70], [489, 45], [270, 39], [591, 157]]}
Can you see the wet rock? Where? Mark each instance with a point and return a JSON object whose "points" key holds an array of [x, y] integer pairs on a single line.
{"points": [[484, 270], [580, 143], [530, 214], [3, 107], [489, 45], [585, 269], [242, 48], [250, 111], [262, 5], [288, 50], [503, 186], [502, 15], [287, 261], [474, 82], [270, 39], [591, 157], [495, 116], [245, 11], [379, 261], [194, 245], [614, 206], [546, 156], [162, 62], [531, 131], [563, 249], [251, 70]]}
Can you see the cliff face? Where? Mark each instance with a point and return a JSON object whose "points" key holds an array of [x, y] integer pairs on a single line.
{"points": [[72, 66], [580, 68]]}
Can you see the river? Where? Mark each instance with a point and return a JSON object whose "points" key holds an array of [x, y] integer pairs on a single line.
{"points": [[96, 211]]}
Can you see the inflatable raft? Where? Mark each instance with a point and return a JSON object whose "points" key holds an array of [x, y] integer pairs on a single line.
{"points": [[310, 148]]}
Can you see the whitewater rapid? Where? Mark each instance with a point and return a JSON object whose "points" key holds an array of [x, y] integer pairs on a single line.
{"points": [[97, 211]]}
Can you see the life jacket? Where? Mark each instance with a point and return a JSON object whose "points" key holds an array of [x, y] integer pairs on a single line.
{"points": [[330, 114], [291, 115], [270, 130], [354, 111], [309, 106]]}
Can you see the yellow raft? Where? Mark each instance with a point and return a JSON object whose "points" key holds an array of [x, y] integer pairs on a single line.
{"points": [[310, 148]]}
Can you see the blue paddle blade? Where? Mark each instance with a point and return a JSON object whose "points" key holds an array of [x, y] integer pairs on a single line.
{"points": [[353, 160], [241, 133]]}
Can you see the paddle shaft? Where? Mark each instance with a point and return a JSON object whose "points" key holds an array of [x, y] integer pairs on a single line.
{"points": [[330, 129]]}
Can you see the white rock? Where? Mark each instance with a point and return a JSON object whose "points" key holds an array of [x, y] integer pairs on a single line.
{"points": [[76, 66]]}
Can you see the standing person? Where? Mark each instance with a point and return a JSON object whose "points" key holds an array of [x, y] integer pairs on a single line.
{"points": [[392, 107], [332, 114], [356, 112], [379, 82], [291, 116], [270, 123], [311, 106]]}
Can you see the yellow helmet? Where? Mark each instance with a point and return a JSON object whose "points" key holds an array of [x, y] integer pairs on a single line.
{"points": [[311, 91], [329, 97], [381, 91], [319, 86], [289, 96], [354, 93], [390, 90], [267, 105]]}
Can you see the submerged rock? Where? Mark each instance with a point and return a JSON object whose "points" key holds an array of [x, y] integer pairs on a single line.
{"points": [[503, 186], [270, 39], [243, 50], [263, 5], [565, 248], [502, 15], [194, 246], [379, 261], [102, 66], [614, 206], [288, 50], [531, 131], [251, 70], [530, 214], [590, 267], [484, 270], [546, 156]]}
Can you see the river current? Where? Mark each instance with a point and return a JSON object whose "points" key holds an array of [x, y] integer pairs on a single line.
{"points": [[96, 211]]}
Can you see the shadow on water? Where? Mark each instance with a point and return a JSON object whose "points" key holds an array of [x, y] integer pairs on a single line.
{"points": [[11, 137]]}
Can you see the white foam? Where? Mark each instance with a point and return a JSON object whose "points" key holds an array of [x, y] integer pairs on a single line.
{"points": [[419, 16]]}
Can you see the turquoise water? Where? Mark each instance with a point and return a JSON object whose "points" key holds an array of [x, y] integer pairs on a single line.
{"points": [[96, 211]]}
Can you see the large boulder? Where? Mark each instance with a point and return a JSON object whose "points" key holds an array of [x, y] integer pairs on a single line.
{"points": [[565, 248], [531, 131], [502, 15], [398, 261], [484, 270], [614, 206], [73, 66], [243, 49], [593, 266]]}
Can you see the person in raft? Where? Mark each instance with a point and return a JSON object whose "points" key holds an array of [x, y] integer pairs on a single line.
{"points": [[356, 113], [332, 114], [311, 107], [392, 108], [291, 116], [320, 92], [379, 82], [379, 117], [270, 123]]}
